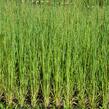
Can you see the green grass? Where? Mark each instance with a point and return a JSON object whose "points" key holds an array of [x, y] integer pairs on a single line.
{"points": [[63, 50]]}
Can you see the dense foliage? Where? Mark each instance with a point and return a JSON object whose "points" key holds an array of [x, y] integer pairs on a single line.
{"points": [[54, 56]]}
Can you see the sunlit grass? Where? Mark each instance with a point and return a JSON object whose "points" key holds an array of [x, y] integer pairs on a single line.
{"points": [[61, 49]]}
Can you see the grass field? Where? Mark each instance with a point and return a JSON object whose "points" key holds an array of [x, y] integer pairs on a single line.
{"points": [[54, 57]]}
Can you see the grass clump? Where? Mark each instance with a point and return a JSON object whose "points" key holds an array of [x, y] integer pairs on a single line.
{"points": [[54, 56]]}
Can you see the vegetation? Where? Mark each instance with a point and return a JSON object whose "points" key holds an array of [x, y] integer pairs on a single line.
{"points": [[54, 56]]}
